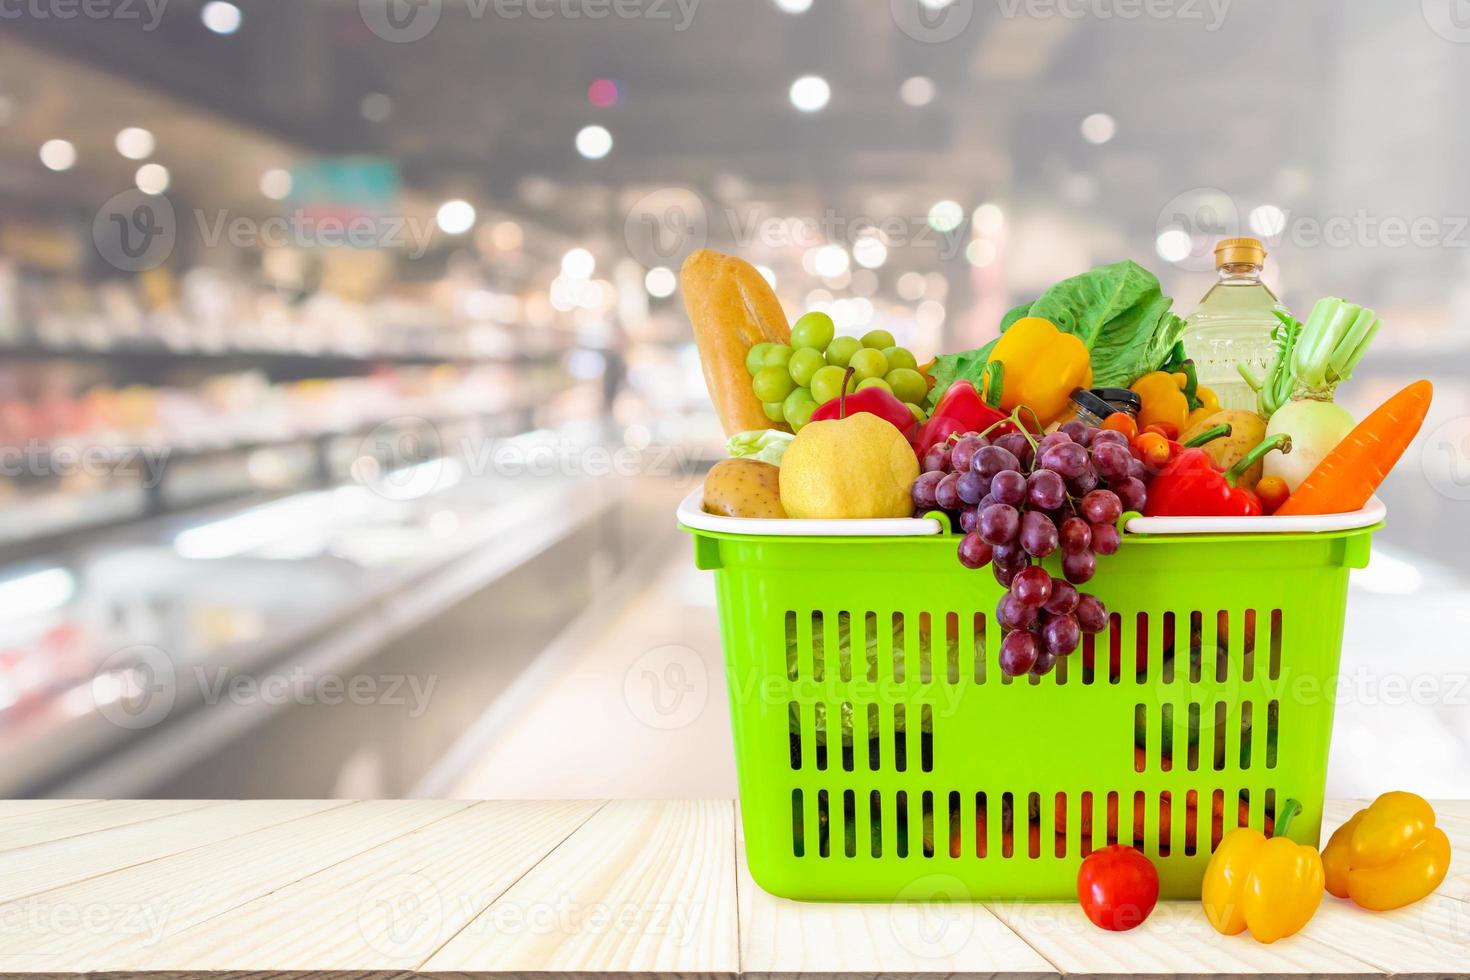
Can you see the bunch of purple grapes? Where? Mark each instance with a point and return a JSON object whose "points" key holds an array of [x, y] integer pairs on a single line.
{"points": [[1017, 504]]}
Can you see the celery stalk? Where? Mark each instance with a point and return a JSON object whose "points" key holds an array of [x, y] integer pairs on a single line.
{"points": [[1353, 345], [1313, 357], [1330, 318]]}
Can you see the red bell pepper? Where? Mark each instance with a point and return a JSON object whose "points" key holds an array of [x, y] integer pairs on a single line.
{"points": [[1192, 486], [960, 410], [874, 401]]}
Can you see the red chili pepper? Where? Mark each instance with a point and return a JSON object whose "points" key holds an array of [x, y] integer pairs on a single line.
{"points": [[874, 401], [960, 410], [1118, 887], [1192, 486]]}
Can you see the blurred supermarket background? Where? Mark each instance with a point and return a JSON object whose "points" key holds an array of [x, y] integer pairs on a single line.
{"points": [[346, 395]]}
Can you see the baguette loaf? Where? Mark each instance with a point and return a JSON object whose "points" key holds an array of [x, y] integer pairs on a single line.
{"points": [[732, 308]]}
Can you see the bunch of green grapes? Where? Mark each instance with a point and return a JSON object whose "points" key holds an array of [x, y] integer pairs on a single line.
{"points": [[792, 380]]}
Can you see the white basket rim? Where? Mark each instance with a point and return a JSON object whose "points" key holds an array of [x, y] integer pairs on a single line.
{"points": [[691, 515]]}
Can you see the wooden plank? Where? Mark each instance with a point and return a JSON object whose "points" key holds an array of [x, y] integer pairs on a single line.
{"points": [[386, 909], [51, 825], [851, 941], [98, 924], [1176, 939], [12, 809], [642, 889], [41, 867], [1431, 937]]}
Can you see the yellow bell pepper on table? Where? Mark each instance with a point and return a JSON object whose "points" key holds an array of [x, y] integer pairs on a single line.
{"points": [[1036, 365], [1269, 885], [1390, 854]]}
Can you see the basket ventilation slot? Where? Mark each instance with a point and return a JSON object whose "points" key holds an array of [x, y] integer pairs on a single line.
{"points": [[962, 826]]}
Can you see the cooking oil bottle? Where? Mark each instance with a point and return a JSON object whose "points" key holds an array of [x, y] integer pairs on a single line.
{"points": [[1233, 323]]}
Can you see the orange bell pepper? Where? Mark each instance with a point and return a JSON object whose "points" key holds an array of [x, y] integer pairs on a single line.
{"points": [[1271, 886], [1388, 855]]}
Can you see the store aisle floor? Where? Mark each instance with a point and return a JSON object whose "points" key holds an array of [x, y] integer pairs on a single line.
{"points": [[634, 708]]}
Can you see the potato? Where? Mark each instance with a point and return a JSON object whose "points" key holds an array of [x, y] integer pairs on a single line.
{"points": [[1247, 430], [743, 488]]}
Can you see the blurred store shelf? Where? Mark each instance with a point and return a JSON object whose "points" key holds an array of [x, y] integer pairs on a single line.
{"points": [[115, 652]]}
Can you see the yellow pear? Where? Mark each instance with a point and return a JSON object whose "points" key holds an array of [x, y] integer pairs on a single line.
{"points": [[856, 467]]}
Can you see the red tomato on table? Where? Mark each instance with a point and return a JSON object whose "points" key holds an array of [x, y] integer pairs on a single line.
{"points": [[1118, 887]]}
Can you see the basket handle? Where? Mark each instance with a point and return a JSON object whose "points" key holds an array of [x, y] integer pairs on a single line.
{"points": [[707, 553]]}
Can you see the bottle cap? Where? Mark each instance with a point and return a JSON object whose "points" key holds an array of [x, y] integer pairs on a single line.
{"points": [[1238, 251]]}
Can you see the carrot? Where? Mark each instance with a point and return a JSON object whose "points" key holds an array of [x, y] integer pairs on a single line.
{"points": [[1348, 475]]}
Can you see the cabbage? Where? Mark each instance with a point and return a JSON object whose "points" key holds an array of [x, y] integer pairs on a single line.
{"points": [[766, 445]]}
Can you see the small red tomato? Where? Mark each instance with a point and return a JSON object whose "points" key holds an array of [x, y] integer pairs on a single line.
{"points": [[1273, 493], [1168, 430], [1117, 887], [1153, 449], [1122, 422]]}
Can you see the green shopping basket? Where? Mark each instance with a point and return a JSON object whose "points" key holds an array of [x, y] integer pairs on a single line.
{"points": [[878, 742]]}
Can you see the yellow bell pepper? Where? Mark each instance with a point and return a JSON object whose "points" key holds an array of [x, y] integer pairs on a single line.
{"points": [[1271, 886], [1389, 854], [1209, 404], [1163, 400], [1174, 397], [1036, 365]]}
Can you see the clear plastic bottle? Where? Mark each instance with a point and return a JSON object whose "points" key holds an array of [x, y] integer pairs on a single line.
{"points": [[1233, 323]]}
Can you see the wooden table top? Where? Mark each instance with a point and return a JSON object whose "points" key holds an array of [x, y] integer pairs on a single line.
{"points": [[293, 888]]}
